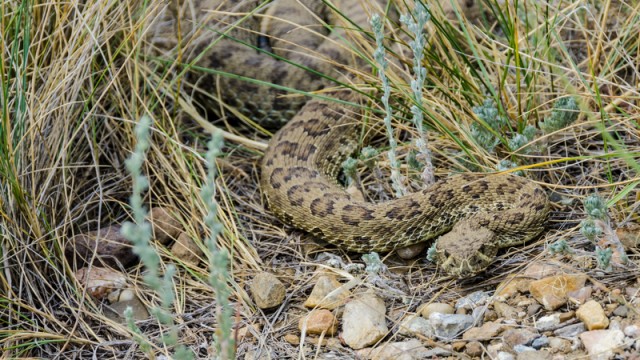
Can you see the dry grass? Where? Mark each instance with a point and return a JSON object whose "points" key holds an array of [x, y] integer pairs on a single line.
{"points": [[74, 81]]}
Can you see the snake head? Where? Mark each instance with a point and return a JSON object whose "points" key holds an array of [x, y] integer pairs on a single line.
{"points": [[466, 250]]}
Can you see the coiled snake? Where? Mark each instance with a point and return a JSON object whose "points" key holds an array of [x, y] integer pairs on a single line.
{"points": [[478, 214]]}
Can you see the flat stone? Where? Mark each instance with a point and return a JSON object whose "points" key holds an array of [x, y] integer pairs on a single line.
{"points": [[449, 326], [428, 309], [540, 342], [523, 348], [319, 321], [592, 315], [511, 286], [570, 331], [503, 355], [601, 344], [473, 300], [560, 345], [505, 311], [327, 293], [267, 290], [621, 311], [485, 332], [416, 325], [551, 292], [363, 321], [513, 337], [292, 339], [548, 322]]}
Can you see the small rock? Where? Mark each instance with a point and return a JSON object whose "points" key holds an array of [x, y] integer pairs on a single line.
{"points": [[428, 309], [268, 291], [533, 309], [472, 300], [570, 331], [632, 331], [102, 283], [106, 247], [540, 342], [165, 226], [548, 322], [449, 326], [581, 295], [411, 251], [614, 324], [621, 311], [292, 339], [363, 321], [416, 325], [534, 355], [327, 293], [512, 285], [513, 337], [457, 346], [551, 292], [567, 315], [474, 349], [319, 321], [116, 310], [592, 315], [505, 311], [523, 348], [559, 344], [187, 250], [485, 332], [435, 353], [503, 355], [402, 350], [490, 315], [600, 344]]}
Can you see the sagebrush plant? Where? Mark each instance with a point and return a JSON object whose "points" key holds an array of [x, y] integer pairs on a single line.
{"points": [[379, 56], [415, 23], [219, 277], [597, 228], [139, 233]]}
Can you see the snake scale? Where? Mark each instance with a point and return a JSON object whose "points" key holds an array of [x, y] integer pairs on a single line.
{"points": [[472, 216]]}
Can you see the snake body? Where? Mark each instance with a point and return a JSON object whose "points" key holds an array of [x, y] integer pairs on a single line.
{"points": [[474, 215], [479, 213]]}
